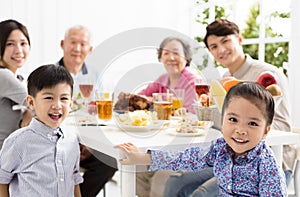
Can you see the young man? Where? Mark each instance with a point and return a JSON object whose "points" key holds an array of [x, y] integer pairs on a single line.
{"points": [[76, 47], [41, 159], [224, 41]]}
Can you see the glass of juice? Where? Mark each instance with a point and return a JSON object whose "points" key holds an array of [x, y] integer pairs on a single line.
{"points": [[178, 98]]}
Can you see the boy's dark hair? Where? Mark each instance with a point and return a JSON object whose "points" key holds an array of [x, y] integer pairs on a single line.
{"points": [[186, 48], [47, 76], [255, 93], [221, 27], [6, 27]]}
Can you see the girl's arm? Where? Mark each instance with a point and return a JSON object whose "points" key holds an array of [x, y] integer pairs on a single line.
{"points": [[77, 192], [133, 156], [4, 190]]}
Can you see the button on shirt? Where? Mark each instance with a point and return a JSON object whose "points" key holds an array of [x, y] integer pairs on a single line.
{"points": [[253, 174], [40, 161]]}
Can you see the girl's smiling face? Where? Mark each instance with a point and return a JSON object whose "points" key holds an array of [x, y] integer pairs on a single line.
{"points": [[244, 125]]}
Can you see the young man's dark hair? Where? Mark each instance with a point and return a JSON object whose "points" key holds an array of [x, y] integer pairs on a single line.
{"points": [[221, 27]]}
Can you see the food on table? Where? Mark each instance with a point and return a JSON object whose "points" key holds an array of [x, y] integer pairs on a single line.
{"points": [[218, 92], [266, 78], [132, 102], [274, 89], [137, 118], [226, 79], [205, 100], [189, 125], [230, 83]]}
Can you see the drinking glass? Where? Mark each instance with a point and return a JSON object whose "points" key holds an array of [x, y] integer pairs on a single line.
{"points": [[104, 102], [163, 105], [178, 98], [201, 87], [86, 92]]}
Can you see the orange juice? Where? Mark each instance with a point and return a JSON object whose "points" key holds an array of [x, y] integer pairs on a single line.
{"points": [[177, 103], [104, 109]]}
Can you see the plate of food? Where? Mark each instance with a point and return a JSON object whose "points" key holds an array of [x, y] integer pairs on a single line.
{"points": [[155, 125], [191, 132], [203, 124], [138, 120]]}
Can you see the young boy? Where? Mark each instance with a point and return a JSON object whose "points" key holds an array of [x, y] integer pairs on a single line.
{"points": [[41, 159], [242, 162]]}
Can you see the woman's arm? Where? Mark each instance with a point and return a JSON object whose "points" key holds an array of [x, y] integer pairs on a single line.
{"points": [[77, 192], [133, 156], [27, 116], [4, 190]]}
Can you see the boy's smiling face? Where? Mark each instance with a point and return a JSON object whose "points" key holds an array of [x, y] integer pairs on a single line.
{"points": [[244, 125], [52, 105]]}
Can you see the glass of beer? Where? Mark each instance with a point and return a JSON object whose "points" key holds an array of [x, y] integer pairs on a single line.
{"points": [[163, 105], [104, 102]]}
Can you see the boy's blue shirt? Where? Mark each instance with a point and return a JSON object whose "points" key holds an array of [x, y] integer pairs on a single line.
{"points": [[253, 174], [34, 161]]}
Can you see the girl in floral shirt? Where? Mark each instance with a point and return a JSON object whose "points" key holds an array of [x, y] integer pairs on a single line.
{"points": [[242, 162]]}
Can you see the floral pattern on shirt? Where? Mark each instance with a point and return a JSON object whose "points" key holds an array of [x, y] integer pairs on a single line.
{"points": [[253, 174]]}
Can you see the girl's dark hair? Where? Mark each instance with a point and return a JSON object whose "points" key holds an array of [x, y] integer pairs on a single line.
{"points": [[186, 48], [256, 94], [221, 27], [6, 27], [47, 76]]}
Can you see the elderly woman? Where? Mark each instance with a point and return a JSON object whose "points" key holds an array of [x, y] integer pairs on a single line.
{"points": [[176, 55]]}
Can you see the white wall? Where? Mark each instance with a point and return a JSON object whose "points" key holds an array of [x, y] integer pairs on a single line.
{"points": [[48, 20]]}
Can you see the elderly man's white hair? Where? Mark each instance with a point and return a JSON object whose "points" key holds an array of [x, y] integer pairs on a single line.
{"points": [[80, 28]]}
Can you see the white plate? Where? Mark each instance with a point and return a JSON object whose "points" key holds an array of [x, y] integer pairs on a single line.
{"points": [[207, 125], [153, 126], [198, 133], [176, 117]]}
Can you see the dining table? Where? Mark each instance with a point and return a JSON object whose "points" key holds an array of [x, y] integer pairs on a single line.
{"points": [[104, 135]]}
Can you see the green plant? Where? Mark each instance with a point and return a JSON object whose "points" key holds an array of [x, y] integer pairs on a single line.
{"points": [[275, 53]]}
